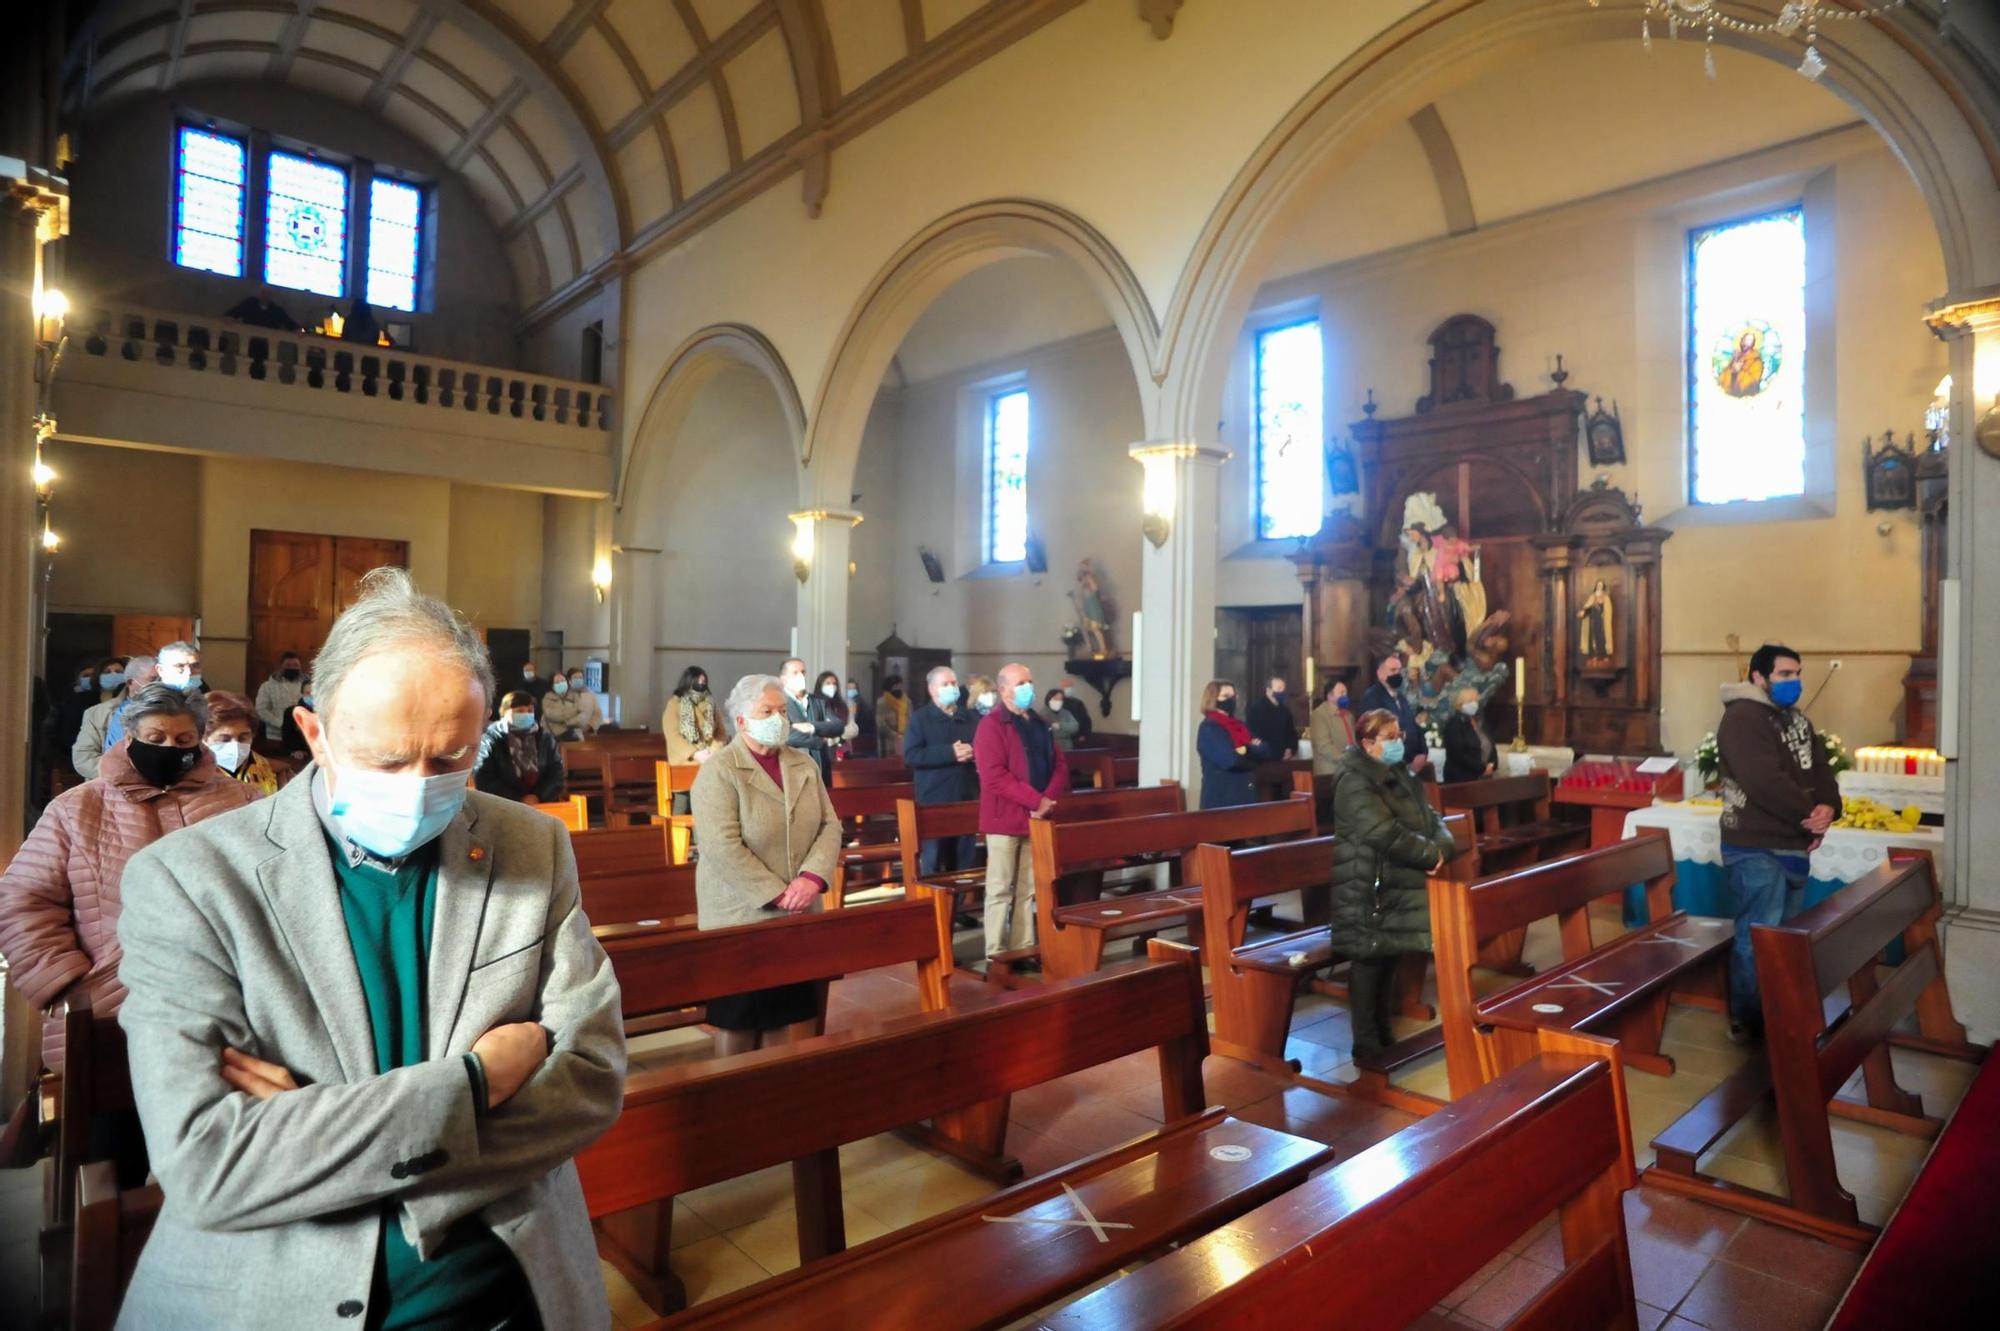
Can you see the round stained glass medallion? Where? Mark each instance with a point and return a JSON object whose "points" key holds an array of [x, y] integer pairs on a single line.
{"points": [[307, 226], [1746, 360]]}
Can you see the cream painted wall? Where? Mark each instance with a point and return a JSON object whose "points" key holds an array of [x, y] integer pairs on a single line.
{"points": [[493, 568], [1083, 501], [124, 517], [1600, 282]]}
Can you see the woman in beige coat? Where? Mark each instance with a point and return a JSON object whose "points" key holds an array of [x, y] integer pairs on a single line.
{"points": [[1331, 727], [769, 838], [690, 723]]}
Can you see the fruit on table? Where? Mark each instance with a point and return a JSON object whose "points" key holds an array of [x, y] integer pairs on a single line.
{"points": [[1859, 811]]}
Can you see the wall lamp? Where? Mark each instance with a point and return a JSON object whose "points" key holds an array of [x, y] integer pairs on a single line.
{"points": [[51, 308], [600, 577], [1159, 493], [804, 525]]}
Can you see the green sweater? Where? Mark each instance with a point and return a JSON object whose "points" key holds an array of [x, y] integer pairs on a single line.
{"points": [[472, 1279]]}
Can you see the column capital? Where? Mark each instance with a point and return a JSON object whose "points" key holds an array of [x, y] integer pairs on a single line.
{"points": [[37, 197], [1179, 450], [1971, 312], [842, 515]]}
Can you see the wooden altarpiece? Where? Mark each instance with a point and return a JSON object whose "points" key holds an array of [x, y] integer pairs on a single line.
{"points": [[1504, 472]]}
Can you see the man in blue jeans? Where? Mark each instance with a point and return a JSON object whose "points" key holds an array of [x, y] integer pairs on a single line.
{"points": [[1779, 796]]}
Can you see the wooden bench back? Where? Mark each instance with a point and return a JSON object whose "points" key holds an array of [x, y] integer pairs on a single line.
{"points": [[671, 779], [852, 802], [659, 973], [618, 850], [1847, 931], [1374, 1242], [1117, 742], [663, 894], [96, 1079], [1489, 793], [686, 1126], [1234, 880], [1062, 847], [1092, 769], [870, 772], [917, 823], [573, 812]]}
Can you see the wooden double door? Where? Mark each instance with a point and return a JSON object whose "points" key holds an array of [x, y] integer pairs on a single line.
{"points": [[299, 583]]}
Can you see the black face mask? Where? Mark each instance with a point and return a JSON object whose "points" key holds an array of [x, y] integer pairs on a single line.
{"points": [[1227, 706], [1394, 683], [290, 672], [161, 764], [896, 692]]}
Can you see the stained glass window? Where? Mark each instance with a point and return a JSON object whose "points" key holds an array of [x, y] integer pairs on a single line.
{"points": [[395, 234], [1289, 390], [1747, 359], [1007, 476], [209, 187], [305, 225]]}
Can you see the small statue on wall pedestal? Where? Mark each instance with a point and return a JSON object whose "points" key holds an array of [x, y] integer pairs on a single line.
{"points": [[1093, 618], [1596, 632]]}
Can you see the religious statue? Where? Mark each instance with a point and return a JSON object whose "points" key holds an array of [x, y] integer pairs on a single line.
{"points": [[1596, 632], [1439, 595], [1088, 598]]}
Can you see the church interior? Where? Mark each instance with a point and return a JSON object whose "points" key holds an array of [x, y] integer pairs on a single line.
{"points": [[1526, 363]]}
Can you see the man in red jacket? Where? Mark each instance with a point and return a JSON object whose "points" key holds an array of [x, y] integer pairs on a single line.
{"points": [[1021, 776]]}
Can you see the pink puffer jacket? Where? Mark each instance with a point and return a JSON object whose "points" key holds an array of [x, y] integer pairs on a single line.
{"points": [[59, 898]]}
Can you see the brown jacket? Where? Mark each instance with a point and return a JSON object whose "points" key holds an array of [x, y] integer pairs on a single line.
{"points": [[1773, 772], [59, 899]]}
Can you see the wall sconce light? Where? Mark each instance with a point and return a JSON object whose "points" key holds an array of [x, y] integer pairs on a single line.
{"points": [[600, 577], [1157, 495], [51, 543], [44, 474], [802, 544], [51, 308]]}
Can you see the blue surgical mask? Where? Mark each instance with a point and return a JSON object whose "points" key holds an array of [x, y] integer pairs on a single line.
{"points": [[306, 701], [560, 687], [853, 694], [192, 683], [111, 679], [1392, 751], [1024, 695], [948, 695], [768, 730], [1785, 692], [391, 814], [521, 720]]}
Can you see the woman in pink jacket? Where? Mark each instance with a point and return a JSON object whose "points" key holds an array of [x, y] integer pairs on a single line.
{"points": [[59, 898]]}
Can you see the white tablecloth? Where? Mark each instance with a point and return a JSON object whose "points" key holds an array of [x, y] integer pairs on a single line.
{"points": [[1847, 853], [1895, 790]]}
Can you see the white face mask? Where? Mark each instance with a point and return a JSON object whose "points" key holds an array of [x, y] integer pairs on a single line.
{"points": [[767, 730], [1469, 708], [828, 690], [229, 753], [795, 685]]}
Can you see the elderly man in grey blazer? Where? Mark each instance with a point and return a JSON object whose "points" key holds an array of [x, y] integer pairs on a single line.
{"points": [[369, 1027]]}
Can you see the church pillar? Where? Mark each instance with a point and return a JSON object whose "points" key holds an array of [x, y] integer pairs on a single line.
{"points": [[635, 631], [31, 213], [1970, 663], [1174, 655], [820, 544]]}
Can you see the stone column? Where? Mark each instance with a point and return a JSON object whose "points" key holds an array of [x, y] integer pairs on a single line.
{"points": [[635, 632], [1969, 665], [1175, 652], [31, 212], [820, 545]]}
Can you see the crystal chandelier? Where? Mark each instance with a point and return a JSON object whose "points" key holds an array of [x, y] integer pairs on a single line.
{"points": [[1792, 16]]}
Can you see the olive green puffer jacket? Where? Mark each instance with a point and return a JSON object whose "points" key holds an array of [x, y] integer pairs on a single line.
{"points": [[1386, 840]]}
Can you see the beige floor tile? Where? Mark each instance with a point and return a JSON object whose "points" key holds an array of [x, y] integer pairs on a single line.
{"points": [[1751, 1173], [911, 1195], [878, 1157], [1428, 1076], [736, 1202], [627, 1308], [714, 1267], [773, 1242]]}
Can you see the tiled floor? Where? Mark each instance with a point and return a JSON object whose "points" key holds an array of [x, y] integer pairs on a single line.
{"points": [[1693, 1265]]}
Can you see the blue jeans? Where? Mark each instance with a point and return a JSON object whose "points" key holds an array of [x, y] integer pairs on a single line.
{"points": [[944, 854], [1769, 888]]}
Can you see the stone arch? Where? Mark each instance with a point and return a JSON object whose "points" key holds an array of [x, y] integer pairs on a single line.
{"points": [[1906, 84], [916, 275]]}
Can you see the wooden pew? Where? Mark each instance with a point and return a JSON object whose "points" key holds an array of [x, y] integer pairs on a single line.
{"points": [[662, 974], [574, 812], [870, 772], [112, 1225], [686, 1127], [1813, 1046], [1619, 990], [1072, 935], [869, 854], [1512, 813], [1376, 1241], [630, 785], [615, 850], [1278, 778], [641, 901], [916, 823], [1092, 769], [1255, 986], [669, 780]]}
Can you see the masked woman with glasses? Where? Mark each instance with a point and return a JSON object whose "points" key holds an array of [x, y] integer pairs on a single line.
{"points": [[59, 899], [518, 760]]}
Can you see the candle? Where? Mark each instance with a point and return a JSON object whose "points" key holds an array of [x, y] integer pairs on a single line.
{"points": [[1521, 678]]}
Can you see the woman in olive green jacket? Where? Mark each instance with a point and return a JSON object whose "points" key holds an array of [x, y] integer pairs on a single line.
{"points": [[1387, 839]]}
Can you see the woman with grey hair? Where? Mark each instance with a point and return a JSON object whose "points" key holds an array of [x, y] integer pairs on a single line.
{"points": [[59, 899], [768, 837]]}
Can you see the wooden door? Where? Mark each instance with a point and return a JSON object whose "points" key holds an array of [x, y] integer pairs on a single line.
{"points": [[144, 635], [1253, 643], [299, 583]]}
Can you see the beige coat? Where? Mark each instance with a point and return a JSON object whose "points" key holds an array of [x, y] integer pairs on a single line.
{"points": [[750, 848], [1329, 738], [680, 749]]}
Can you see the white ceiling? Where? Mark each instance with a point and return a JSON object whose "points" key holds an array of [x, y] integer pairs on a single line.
{"points": [[998, 311]]}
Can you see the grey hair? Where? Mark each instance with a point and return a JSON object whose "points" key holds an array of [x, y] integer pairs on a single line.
{"points": [[746, 691], [134, 664], [182, 646], [931, 677], [389, 611], [164, 700]]}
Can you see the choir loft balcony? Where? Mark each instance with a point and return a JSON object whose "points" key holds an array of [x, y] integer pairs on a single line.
{"points": [[157, 379]]}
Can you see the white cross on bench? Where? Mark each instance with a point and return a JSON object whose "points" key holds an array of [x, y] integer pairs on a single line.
{"points": [[1578, 982], [1088, 1221], [1675, 939]]}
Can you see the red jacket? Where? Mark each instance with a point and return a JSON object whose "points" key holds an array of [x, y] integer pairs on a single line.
{"points": [[59, 898], [1005, 797]]}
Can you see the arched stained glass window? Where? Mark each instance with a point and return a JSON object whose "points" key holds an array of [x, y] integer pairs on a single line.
{"points": [[210, 185], [305, 225], [1007, 476], [1747, 359], [1290, 389], [395, 242]]}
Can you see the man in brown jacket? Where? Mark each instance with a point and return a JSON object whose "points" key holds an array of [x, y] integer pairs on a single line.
{"points": [[1779, 796]]}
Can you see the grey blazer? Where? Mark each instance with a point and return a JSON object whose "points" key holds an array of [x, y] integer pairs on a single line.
{"points": [[753, 841], [233, 935]]}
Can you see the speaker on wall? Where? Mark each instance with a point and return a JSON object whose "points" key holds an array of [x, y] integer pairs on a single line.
{"points": [[1037, 557], [932, 568]]}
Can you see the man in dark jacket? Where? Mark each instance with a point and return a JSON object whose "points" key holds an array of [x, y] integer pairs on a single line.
{"points": [[1386, 694], [937, 747], [1270, 719], [1779, 797], [814, 729]]}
